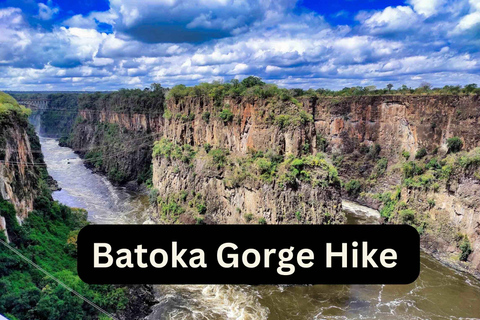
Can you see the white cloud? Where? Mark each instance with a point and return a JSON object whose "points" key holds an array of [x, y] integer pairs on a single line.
{"points": [[391, 19], [402, 44], [427, 7], [47, 11]]}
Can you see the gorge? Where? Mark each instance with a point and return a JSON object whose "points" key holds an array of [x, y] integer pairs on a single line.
{"points": [[209, 157]]}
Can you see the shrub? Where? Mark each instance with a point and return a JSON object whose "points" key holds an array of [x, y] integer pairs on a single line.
{"points": [[207, 147], [321, 143], [466, 249], [219, 157], [167, 114], [262, 221], [298, 215], [421, 153], [406, 154], [380, 168], [454, 144], [226, 115], [248, 217], [282, 120], [353, 187], [201, 208], [407, 215], [431, 202]]}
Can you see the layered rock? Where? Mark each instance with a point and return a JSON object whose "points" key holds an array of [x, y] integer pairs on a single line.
{"points": [[20, 163]]}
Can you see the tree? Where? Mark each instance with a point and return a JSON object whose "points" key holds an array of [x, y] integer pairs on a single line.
{"points": [[155, 87], [469, 88], [235, 83], [425, 86], [252, 81], [389, 87]]}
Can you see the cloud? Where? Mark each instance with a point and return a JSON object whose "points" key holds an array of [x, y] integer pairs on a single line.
{"points": [[47, 11], [427, 7], [174, 42], [390, 20], [192, 21]]}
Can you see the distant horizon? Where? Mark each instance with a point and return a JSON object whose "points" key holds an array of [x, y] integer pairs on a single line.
{"points": [[58, 45]]}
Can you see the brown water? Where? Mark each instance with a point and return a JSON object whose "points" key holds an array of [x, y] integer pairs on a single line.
{"points": [[439, 292]]}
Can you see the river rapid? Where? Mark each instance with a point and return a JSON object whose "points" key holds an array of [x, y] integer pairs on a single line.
{"points": [[439, 292]]}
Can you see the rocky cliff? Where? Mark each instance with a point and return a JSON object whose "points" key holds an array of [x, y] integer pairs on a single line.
{"points": [[20, 162], [252, 159]]}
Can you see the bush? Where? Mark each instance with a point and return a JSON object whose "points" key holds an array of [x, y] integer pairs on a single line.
{"points": [[454, 144], [219, 157], [353, 187], [298, 215], [248, 217], [226, 115], [201, 208], [407, 215], [421, 153], [406, 154], [262, 221], [207, 147], [321, 143], [466, 249]]}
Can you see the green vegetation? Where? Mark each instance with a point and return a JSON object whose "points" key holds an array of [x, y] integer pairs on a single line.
{"points": [[219, 157], [149, 100], [226, 115], [248, 217], [379, 168], [321, 143], [262, 221], [465, 248], [167, 149], [48, 237], [353, 188], [285, 120], [407, 215], [9, 104], [454, 144], [254, 86], [421, 153]]}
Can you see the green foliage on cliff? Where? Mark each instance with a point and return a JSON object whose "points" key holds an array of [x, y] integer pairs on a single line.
{"points": [[353, 187], [421, 153], [150, 100], [172, 151], [454, 144], [48, 237], [255, 87], [9, 104], [465, 248], [226, 115]]}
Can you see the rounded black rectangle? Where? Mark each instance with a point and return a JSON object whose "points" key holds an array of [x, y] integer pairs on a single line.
{"points": [[308, 245]]}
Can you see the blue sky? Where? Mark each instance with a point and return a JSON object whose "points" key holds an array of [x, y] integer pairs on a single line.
{"points": [[106, 45]]}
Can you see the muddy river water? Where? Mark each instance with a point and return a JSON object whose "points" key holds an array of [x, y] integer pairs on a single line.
{"points": [[439, 292]]}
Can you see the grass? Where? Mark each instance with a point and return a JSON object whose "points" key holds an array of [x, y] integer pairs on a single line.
{"points": [[9, 104]]}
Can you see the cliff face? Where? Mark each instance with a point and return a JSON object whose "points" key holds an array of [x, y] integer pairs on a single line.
{"points": [[398, 123], [19, 149], [249, 159]]}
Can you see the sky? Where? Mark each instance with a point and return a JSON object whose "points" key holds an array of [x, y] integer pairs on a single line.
{"points": [[107, 45]]}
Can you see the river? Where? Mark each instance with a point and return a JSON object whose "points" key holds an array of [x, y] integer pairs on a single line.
{"points": [[439, 292]]}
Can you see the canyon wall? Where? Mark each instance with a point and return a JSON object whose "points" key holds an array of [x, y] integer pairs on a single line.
{"points": [[20, 163], [272, 160]]}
